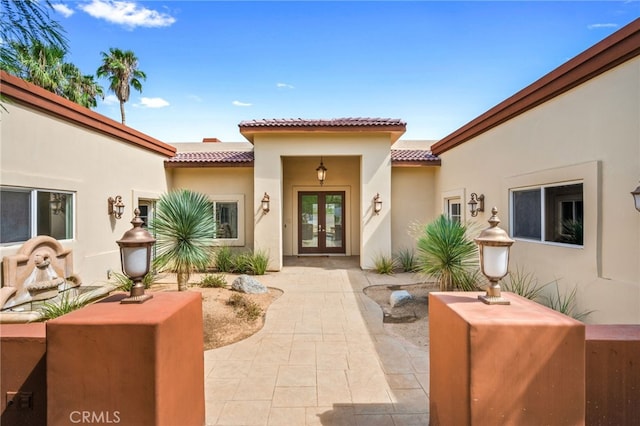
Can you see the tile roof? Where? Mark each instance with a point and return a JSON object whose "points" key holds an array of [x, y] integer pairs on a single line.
{"points": [[413, 157], [406, 157], [208, 159], [333, 122]]}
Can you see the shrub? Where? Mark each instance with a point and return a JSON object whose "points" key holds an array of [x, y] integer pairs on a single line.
{"points": [[213, 281], [65, 305], [125, 283], [244, 307], [259, 261], [565, 303], [523, 284], [407, 260], [224, 259], [241, 263], [384, 264]]}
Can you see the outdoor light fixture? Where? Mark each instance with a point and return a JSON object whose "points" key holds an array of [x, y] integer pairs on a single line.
{"points": [[636, 197], [377, 204], [265, 203], [116, 206], [322, 172], [474, 208], [57, 202], [135, 256], [494, 245]]}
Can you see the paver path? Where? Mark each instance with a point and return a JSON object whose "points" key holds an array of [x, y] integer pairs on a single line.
{"points": [[322, 358]]}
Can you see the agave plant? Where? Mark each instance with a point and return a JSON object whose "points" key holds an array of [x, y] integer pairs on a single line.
{"points": [[446, 253], [184, 229]]}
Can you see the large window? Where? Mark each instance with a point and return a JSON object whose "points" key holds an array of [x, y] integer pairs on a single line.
{"points": [[226, 219], [26, 213], [552, 213]]}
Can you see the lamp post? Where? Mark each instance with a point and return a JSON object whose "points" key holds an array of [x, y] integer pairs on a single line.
{"points": [[494, 244], [135, 256]]}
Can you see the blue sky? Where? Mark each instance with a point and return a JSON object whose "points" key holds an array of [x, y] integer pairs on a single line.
{"points": [[436, 65]]}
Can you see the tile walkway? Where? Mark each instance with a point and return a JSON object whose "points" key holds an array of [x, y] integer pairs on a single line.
{"points": [[322, 358]]}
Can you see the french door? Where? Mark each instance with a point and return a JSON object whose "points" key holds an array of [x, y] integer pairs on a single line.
{"points": [[321, 222]]}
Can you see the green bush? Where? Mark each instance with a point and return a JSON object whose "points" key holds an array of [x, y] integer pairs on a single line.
{"points": [[384, 265], [244, 307], [125, 283], [213, 281], [523, 284], [565, 303], [258, 263], [242, 263], [224, 259], [50, 310]]}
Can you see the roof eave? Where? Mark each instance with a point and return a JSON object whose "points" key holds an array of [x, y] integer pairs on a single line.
{"points": [[249, 132]]}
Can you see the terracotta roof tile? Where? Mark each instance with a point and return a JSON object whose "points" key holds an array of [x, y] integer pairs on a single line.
{"points": [[333, 122], [413, 156], [196, 159]]}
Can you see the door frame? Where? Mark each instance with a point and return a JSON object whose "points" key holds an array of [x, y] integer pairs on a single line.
{"points": [[321, 247], [347, 219]]}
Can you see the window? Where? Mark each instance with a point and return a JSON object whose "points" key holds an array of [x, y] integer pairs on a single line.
{"points": [[226, 219], [454, 211], [552, 213], [26, 213]]}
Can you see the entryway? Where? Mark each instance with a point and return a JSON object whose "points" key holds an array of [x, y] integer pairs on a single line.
{"points": [[321, 222]]}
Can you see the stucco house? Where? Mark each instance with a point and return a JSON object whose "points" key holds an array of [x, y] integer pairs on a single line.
{"points": [[558, 159]]}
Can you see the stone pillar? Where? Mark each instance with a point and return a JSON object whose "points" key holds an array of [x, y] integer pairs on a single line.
{"points": [[134, 364], [517, 364]]}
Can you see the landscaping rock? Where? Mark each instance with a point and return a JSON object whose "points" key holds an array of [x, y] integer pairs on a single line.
{"points": [[399, 298], [247, 284]]}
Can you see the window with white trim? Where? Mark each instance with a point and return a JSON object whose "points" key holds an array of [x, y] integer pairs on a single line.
{"points": [[27, 212], [228, 216], [548, 213], [454, 209]]}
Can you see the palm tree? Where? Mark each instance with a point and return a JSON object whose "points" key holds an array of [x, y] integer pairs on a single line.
{"points": [[121, 68], [446, 253], [81, 88], [184, 228], [40, 64]]}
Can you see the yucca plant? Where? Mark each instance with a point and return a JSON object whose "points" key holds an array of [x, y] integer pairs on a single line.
{"points": [[184, 229], [524, 284], [407, 259], [446, 253], [565, 303]]}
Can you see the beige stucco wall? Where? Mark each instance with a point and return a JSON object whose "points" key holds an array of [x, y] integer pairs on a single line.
{"points": [[373, 152], [589, 134], [222, 184], [38, 151], [413, 203]]}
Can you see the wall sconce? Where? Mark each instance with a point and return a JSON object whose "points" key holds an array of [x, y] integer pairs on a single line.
{"points": [[377, 204], [322, 172], [116, 206], [135, 257], [475, 200], [265, 203], [58, 202], [494, 244], [636, 197]]}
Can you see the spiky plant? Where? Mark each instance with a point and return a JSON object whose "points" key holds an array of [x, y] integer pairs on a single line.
{"points": [[446, 253], [184, 229], [384, 265]]}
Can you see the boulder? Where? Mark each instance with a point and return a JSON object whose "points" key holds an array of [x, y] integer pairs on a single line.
{"points": [[247, 284], [399, 298]]}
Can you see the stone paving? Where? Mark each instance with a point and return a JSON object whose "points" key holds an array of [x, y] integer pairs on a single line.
{"points": [[322, 358]]}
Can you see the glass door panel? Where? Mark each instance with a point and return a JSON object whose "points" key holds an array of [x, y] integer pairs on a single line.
{"points": [[321, 222]]}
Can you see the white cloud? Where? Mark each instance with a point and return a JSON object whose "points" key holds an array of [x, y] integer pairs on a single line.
{"points": [[127, 13], [284, 86], [596, 26], [153, 103], [63, 9], [194, 98], [111, 100], [240, 104]]}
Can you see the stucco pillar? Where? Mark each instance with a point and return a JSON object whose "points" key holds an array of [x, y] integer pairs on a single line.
{"points": [[375, 229], [267, 178]]}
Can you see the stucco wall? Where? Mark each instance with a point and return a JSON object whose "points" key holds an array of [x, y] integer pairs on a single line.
{"points": [[39, 151], [589, 134], [413, 203], [224, 184]]}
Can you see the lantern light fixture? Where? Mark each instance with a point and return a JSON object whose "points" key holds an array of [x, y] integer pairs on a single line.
{"points": [[115, 206], [476, 204], [494, 245], [377, 204], [135, 256], [636, 197], [265, 203], [321, 171]]}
